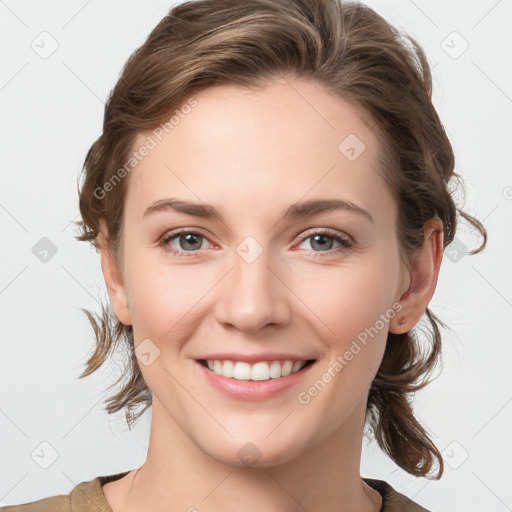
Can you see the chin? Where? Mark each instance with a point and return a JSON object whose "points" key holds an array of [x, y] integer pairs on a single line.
{"points": [[256, 453]]}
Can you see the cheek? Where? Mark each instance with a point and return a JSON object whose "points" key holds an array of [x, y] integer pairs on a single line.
{"points": [[349, 298], [161, 299]]}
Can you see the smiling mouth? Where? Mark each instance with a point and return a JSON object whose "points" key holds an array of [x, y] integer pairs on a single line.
{"points": [[261, 371]]}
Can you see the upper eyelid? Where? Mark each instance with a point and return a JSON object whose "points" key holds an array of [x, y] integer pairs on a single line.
{"points": [[326, 231]]}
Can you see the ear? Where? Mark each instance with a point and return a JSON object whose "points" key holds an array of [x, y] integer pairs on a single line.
{"points": [[423, 279], [113, 278]]}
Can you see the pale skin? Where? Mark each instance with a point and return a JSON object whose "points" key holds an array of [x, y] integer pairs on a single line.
{"points": [[251, 154]]}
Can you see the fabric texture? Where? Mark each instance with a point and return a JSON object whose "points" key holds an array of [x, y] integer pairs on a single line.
{"points": [[88, 497]]}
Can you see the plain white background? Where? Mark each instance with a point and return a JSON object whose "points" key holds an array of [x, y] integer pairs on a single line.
{"points": [[59, 62]]}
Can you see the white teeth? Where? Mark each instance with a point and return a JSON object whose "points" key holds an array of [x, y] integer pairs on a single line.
{"points": [[297, 366], [262, 370], [228, 368], [287, 368], [240, 371], [275, 369]]}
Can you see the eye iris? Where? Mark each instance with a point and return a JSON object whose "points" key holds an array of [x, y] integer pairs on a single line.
{"points": [[322, 245], [188, 237]]}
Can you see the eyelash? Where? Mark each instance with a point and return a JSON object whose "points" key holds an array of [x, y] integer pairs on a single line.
{"points": [[346, 244]]}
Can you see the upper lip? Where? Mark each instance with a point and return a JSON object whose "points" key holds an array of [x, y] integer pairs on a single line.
{"points": [[254, 358]]}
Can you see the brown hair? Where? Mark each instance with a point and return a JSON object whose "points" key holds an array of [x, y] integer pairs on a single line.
{"points": [[365, 61]]}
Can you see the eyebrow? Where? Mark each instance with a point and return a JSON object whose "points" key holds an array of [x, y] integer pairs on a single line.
{"points": [[296, 210]]}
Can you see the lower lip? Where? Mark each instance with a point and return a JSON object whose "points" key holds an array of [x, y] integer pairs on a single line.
{"points": [[253, 389]]}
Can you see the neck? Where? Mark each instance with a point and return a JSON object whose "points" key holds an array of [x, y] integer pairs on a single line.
{"points": [[178, 475]]}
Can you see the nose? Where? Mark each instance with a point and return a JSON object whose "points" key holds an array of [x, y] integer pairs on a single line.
{"points": [[254, 294]]}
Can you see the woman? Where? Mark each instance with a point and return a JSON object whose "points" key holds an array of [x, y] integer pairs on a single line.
{"points": [[270, 201]]}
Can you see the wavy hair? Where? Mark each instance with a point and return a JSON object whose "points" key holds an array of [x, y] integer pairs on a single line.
{"points": [[354, 53]]}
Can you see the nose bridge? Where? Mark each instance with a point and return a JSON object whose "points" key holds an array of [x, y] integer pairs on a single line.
{"points": [[255, 295]]}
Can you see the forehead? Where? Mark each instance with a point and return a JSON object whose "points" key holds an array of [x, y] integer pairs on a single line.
{"points": [[240, 148]]}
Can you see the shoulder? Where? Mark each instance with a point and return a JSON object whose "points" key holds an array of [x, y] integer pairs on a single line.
{"points": [[392, 500], [84, 497], [51, 504], [89, 495]]}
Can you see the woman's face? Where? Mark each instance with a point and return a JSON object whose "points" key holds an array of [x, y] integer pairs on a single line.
{"points": [[254, 281]]}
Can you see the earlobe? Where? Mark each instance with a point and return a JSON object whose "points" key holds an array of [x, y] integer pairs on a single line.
{"points": [[423, 279], [113, 278]]}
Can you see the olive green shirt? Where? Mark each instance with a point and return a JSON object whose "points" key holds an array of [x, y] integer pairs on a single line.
{"points": [[89, 497]]}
